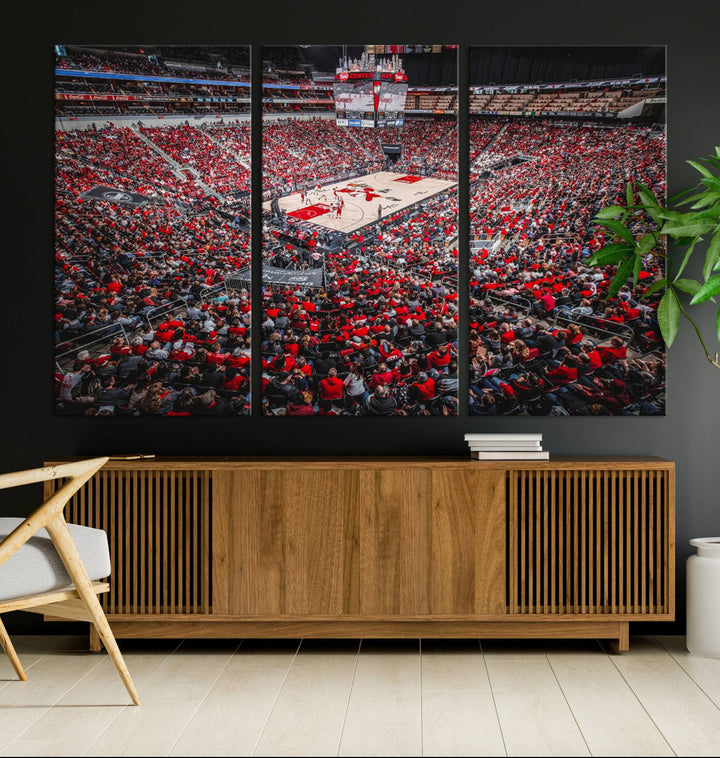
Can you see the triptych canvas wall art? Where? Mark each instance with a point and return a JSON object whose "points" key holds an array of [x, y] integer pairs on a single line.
{"points": [[360, 231]]}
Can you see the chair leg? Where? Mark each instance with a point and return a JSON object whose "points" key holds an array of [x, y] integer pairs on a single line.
{"points": [[7, 646], [70, 557]]}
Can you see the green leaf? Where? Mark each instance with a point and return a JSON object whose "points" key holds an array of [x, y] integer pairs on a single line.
{"points": [[699, 167], [612, 211], [670, 215], [712, 160], [630, 195], [668, 315], [711, 215], [692, 229], [621, 276], [712, 255], [646, 244], [652, 207], [687, 285], [653, 288], [674, 198], [686, 258], [650, 198], [708, 290], [697, 196], [618, 230], [717, 151], [609, 255], [637, 266], [711, 182], [708, 198]]}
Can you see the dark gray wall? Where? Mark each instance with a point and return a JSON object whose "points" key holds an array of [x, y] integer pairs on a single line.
{"points": [[689, 434]]}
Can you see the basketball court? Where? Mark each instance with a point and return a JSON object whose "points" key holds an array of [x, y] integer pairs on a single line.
{"points": [[362, 197]]}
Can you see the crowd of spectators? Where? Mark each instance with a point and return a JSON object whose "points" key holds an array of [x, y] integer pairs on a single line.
{"points": [[143, 321], [544, 338], [307, 152], [192, 147], [146, 324], [108, 61], [544, 341], [381, 337]]}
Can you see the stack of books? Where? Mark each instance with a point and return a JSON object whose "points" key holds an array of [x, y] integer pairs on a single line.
{"points": [[506, 447]]}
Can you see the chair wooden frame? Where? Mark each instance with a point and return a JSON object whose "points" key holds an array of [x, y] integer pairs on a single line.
{"points": [[79, 603]]}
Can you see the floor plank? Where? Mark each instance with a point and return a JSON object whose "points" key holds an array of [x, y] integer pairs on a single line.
{"points": [[453, 665], [171, 697], [103, 685], [460, 722], [610, 717], [49, 678], [148, 730], [83, 713], [190, 672], [64, 731], [310, 710], [264, 654], [384, 712], [705, 672], [7, 672], [534, 716], [686, 716], [458, 710], [233, 715]]}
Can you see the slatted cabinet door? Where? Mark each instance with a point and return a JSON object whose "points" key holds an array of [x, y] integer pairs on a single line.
{"points": [[158, 523], [587, 541]]}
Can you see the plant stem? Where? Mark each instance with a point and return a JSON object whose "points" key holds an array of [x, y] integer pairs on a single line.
{"points": [[713, 361]]}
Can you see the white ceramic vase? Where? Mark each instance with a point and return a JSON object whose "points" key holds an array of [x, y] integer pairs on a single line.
{"points": [[703, 598]]}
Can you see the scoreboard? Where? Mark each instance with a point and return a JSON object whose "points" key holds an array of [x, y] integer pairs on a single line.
{"points": [[370, 98]]}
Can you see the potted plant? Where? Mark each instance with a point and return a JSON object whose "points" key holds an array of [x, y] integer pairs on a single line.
{"points": [[640, 231]]}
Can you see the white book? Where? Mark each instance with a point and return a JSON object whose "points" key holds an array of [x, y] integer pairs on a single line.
{"points": [[509, 447], [503, 437], [507, 443], [542, 455]]}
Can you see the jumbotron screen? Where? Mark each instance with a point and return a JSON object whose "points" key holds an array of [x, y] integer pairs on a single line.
{"points": [[368, 99], [354, 102], [391, 103]]}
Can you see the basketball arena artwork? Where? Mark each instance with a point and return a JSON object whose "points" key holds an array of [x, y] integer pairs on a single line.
{"points": [[554, 136], [152, 213], [365, 197], [360, 231]]}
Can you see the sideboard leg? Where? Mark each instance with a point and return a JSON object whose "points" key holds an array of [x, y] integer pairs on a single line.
{"points": [[622, 643]]}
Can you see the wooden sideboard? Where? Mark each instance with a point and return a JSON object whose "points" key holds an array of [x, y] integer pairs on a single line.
{"points": [[384, 547]]}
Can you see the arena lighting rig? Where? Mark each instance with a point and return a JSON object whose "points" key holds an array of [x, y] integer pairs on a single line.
{"points": [[370, 91]]}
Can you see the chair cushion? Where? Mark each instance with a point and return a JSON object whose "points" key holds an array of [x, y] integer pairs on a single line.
{"points": [[36, 566]]}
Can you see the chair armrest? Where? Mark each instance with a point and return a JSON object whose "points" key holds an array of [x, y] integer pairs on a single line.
{"points": [[63, 471], [77, 473]]}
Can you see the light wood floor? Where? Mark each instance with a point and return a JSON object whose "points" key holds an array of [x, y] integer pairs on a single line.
{"points": [[352, 698]]}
